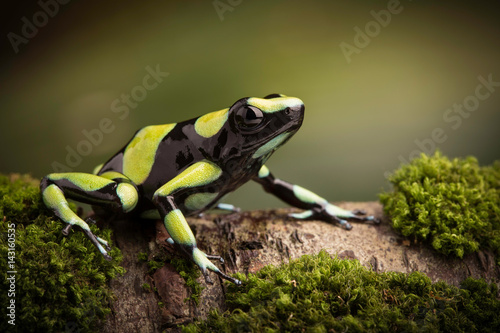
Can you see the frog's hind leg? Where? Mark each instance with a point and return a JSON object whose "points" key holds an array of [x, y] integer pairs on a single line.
{"points": [[115, 194], [195, 176], [316, 206]]}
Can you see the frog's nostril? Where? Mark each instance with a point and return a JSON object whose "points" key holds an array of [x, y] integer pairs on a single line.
{"points": [[299, 109]]}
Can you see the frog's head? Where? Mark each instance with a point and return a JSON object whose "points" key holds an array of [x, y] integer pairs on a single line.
{"points": [[250, 130], [264, 124], [256, 127]]}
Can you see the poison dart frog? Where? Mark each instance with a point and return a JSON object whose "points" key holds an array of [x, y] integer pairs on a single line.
{"points": [[176, 170]]}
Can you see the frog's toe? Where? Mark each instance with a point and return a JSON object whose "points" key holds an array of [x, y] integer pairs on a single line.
{"points": [[374, 219], [208, 280], [229, 278], [314, 214], [104, 243], [352, 215], [307, 214], [202, 260], [369, 218], [359, 212], [98, 242], [65, 231], [343, 223], [228, 207], [215, 257]]}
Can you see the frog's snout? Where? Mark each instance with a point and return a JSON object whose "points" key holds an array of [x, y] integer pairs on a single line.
{"points": [[296, 112], [296, 109], [299, 109]]}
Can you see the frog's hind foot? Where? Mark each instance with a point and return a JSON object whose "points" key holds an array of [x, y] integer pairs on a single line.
{"points": [[223, 276], [98, 242], [229, 278], [202, 260], [335, 214], [358, 218]]}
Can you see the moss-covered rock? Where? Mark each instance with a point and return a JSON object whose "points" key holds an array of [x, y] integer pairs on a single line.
{"points": [[57, 283], [453, 204], [323, 294], [188, 270]]}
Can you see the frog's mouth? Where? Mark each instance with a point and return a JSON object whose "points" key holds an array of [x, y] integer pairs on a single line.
{"points": [[272, 145]]}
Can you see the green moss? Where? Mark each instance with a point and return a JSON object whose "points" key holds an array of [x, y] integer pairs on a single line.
{"points": [[155, 264], [142, 256], [190, 273], [147, 287], [453, 204], [60, 282], [321, 294]]}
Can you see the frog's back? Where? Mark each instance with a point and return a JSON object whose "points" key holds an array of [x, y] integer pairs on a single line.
{"points": [[153, 156]]}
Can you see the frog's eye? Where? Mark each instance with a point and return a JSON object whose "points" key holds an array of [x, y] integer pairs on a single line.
{"points": [[249, 117]]}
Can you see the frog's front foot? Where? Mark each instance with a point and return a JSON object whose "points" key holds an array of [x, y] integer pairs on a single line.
{"points": [[332, 213], [202, 260], [369, 218]]}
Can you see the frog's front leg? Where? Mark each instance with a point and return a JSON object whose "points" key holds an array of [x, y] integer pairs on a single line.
{"points": [[317, 208], [195, 176], [118, 194]]}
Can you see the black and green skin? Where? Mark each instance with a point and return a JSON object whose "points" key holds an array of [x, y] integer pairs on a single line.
{"points": [[182, 169]]}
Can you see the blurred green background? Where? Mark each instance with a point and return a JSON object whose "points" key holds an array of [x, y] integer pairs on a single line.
{"points": [[364, 111]]}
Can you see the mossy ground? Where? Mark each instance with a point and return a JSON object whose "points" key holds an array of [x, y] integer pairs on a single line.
{"points": [[323, 294], [60, 282], [453, 204]]}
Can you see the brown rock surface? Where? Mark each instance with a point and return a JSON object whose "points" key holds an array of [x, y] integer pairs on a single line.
{"points": [[250, 240]]}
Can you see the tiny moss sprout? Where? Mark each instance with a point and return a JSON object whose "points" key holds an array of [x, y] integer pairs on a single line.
{"points": [[453, 204], [323, 294], [61, 283], [147, 287], [142, 256]]}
